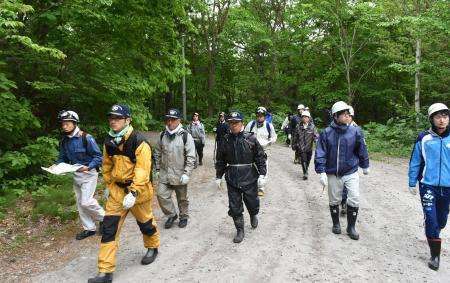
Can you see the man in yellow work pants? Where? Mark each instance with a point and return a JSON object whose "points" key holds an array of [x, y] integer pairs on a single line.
{"points": [[126, 173]]}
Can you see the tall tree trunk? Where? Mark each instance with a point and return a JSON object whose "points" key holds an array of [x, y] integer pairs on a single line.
{"points": [[417, 76], [211, 85]]}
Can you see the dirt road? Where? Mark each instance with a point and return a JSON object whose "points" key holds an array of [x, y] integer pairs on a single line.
{"points": [[293, 242]]}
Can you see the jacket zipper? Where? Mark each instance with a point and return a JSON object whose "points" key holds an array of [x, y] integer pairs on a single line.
{"points": [[338, 149], [440, 163]]}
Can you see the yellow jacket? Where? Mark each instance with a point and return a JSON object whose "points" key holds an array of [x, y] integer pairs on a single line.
{"points": [[118, 168]]}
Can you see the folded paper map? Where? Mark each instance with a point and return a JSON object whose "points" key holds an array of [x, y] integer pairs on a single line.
{"points": [[62, 168]]}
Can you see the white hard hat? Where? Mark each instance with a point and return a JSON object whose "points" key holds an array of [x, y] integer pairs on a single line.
{"points": [[306, 113], [68, 116], [352, 111], [261, 110], [436, 107], [339, 106], [300, 107]]}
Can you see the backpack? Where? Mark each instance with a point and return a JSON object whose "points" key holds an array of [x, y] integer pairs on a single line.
{"points": [[185, 135], [83, 138], [129, 148], [267, 127]]}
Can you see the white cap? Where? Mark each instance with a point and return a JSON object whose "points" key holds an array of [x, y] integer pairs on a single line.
{"points": [[436, 107], [352, 111], [339, 106], [306, 113], [300, 107]]}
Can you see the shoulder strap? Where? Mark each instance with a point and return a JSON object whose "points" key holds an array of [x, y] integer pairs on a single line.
{"points": [[252, 125], [268, 129], [84, 139], [185, 136]]}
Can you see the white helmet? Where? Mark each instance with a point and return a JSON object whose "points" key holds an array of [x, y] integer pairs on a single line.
{"points": [[306, 113], [352, 111], [68, 116], [261, 110], [300, 107], [339, 106], [436, 107]]}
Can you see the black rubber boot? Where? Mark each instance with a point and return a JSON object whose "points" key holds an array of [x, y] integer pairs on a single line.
{"points": [[101, 278], [239, 224], [84, 234], [334, 210], [352, 215], [149, 257], [254, 221], [435, 250], [170, 221], [305, 171]]}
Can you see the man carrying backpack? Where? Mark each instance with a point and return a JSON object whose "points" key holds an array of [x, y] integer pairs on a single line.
{"points": [[341, 150], [77, 147], [175, 164], [265, 134], [126, 173], [430, 166], [243, 162]]}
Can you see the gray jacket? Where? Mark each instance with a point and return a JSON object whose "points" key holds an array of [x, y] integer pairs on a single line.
{"points": [[197, 131], [175, 158]]}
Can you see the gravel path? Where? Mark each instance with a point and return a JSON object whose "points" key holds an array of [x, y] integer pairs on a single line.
{"points": [[293, 242]]}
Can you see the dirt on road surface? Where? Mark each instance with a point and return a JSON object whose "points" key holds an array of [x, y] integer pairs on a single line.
{"points": [[293, 241]]}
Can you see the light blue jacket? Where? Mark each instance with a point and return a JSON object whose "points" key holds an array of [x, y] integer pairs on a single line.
{"points": [[430, 160]]}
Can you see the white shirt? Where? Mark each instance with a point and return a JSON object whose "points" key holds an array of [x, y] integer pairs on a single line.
{"points": [[262, 135]]}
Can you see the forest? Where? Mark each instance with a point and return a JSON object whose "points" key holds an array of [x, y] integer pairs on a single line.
{"points": [[389, 59]]}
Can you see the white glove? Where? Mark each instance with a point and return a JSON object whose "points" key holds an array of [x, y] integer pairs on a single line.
{"points": [[155, 175], [323, 179], [366, 171], [218, 183], [128, 201], [106, 194], [413, 190], [184, 179], [262, 181]]}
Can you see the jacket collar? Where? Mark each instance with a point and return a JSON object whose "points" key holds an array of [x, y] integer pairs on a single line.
{"points": [[339, 128]]}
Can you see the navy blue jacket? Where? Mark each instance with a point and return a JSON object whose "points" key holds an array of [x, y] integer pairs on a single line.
{"points": [[73, 151], [340, 150]]}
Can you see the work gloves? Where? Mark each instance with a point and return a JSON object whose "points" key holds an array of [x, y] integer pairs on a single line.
{"points": [[184, 180], [218, 182], [262, 181], [128, 201], [413, 190], [366, 171], [323, 179]]}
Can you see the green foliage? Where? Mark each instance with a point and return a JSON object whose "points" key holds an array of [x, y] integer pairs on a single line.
{"points": [[55, 199], [397, 136]]}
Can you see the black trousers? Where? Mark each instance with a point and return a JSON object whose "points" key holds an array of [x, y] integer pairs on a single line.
{"points": [[199, 148], [305, 160], [247, 194]]}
